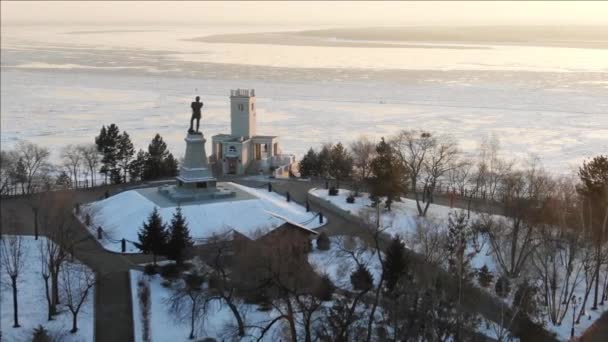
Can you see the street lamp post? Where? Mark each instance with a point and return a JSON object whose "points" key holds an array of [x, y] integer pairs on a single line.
{"points": [[573, 314]]}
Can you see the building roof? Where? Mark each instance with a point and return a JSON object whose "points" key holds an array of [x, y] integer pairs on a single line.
{"points": [[292, 223]]}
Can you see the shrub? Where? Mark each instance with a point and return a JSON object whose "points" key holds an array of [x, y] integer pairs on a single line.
{"points": [[350, 199], [323, 242], [41, 335], [194, 280], [484, 276], [333, 191], [362, 279], [325, 289], [169, 271], [502, 287], [150, 270], [526, 299]]}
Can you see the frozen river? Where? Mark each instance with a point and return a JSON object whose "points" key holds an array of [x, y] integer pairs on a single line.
{"points": [[60, 87]]}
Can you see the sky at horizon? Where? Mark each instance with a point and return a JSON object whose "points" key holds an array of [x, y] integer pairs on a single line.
{"points": [[311, 13]]}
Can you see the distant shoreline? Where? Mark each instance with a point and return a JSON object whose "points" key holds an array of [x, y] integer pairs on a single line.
{"points": [[414, 37]]}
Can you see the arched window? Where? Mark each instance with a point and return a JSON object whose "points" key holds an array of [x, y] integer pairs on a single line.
{"points": [[241, 107], [232, 149], [252, 107]]}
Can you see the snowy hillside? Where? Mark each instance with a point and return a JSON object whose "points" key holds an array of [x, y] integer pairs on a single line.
{"points": [[403, 221], [122, 215]]}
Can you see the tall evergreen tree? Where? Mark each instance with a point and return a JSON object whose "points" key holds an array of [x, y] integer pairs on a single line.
{"points": [[169, 166], [107, 144], [323, 161], [389, 175], [157, 153], [179, 238], [340, 163], [153, 235], [395, 263], [308, 164], [124, 154], [137, 165]]}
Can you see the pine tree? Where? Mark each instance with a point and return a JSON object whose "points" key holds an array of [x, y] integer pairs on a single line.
{"points": [[153, 235], [64, 181], [485, 276], [308, 164], [124, 154], [395, 263], [107, 144], [389, 175], [362, 279], [340, 163], [179, 238], [157, 153], [323, 242], [136, 167], [323, 161], [170, 166]]}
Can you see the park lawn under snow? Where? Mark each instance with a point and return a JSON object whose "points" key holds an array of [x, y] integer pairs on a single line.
{"points": [[122, 215], [218, 323], [338, 262], [33, 306], [402, 221]]}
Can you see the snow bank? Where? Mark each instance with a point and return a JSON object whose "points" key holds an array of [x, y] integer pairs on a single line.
{"points": [[33, 306]]}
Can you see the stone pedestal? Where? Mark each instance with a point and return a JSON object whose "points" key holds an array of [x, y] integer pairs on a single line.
{"points": [[195, 181], [194, 171]]}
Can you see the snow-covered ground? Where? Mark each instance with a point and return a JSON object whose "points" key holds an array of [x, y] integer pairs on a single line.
{"points": [[33, 307], [402, 221], [338, 262], [122, 215], [218, 323]]}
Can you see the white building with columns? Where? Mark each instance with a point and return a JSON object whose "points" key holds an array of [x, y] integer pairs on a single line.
{"points": [[243, 151]]}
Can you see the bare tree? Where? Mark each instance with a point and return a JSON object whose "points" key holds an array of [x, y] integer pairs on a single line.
{"points": [[430, 240], [34, 162], [188, 301], [442, 158], [72, 161], [91, 159], [77, 282], [556, 264], [363, 151], [412, 148], [224, 289], [428, 159], [13, 260], [459, 175], [7, 170], [57, 223], [45, 271]]}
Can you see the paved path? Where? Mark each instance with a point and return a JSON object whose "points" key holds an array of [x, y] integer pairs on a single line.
{"points": [[598, 332]]}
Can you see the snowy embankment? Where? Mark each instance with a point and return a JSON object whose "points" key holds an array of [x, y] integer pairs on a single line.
{"points": [[32, 307], [122, 215], [403, 220], [218, 321]]}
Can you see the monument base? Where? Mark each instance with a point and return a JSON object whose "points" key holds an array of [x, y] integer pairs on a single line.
{"points": [[181, 194]]}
